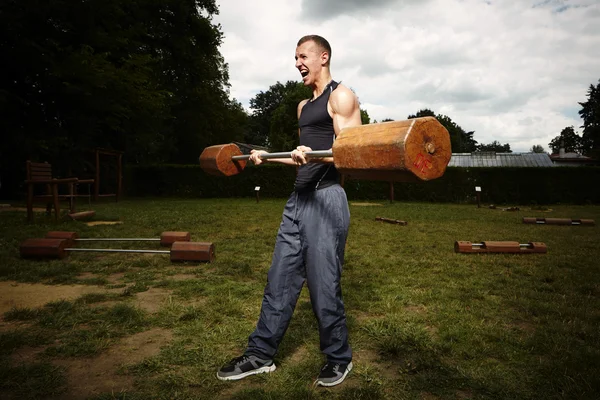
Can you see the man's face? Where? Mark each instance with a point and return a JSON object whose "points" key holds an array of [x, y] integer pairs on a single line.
{"points": [[310, 58]]}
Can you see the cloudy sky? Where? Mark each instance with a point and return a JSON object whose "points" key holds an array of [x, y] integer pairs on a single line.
{"points": [[510, 70]]}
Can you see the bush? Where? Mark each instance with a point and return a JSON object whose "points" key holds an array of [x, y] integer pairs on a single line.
{"points": [[572, 185]]}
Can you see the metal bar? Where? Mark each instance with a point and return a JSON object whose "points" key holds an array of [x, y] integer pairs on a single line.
{"points": [[520, 244], [117, 240], [121, 251], [288, 154]]}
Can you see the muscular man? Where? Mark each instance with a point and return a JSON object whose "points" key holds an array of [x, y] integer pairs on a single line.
{"points": [[312, 235]]}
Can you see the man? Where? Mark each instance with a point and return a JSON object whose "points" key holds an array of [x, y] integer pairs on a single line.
{"points": [[312, 235]]}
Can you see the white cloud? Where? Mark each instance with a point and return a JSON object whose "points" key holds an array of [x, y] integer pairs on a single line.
{"points": [[510, 71]]}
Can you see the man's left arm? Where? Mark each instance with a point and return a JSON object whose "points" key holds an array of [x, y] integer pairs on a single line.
{"points": [[344, 108]]}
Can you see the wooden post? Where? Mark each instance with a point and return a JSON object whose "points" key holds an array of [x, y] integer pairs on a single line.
{"points": [[119, 176], [97, 180]]}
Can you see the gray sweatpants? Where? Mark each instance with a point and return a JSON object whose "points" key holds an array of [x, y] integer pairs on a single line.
{"points": [[310, 247]]}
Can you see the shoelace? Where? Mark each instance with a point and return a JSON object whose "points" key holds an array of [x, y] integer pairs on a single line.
{"points": [[335, 367], [239, 360]]}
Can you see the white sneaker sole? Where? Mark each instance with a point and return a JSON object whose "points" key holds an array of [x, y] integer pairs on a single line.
{"points": [[261, 370], [329, 384]]}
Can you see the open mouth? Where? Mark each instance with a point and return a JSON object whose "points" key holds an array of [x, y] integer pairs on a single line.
{"points": [[304, 73]]}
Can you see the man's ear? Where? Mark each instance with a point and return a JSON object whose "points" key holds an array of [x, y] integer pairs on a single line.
{"points": [[324, 58]]}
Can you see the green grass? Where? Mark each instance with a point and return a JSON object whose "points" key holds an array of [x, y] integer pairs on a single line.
{"points": [[425, 322]]}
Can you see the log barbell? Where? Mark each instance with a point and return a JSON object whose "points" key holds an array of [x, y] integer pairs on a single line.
{"points": [[499, 247], [59, 248], [396, 151]]}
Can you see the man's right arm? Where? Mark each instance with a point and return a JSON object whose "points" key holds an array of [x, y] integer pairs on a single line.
{"points": [[255, 154]]}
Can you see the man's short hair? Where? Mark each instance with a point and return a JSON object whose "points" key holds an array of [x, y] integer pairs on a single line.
{"points": [[320, 41]]}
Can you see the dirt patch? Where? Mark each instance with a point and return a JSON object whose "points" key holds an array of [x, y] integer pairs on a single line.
{"points": [[26, 354], [115, 278], [181, 277], [235, 387], [10, 208], [152, 299], [417, 309], [385, 369], [35, 295], [87, 275], [297, 356], [363, 317], [93, 376], [365, 204]]}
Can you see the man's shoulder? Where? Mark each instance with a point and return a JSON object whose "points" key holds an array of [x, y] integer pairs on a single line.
{"points": [[343, 90], [342, 93], [302, 104], [343, 100]]}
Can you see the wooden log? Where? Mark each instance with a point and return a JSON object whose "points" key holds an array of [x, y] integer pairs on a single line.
{"points": [[391, 221], [417, 149], [193, 251], [169, 237], [43, 248]]}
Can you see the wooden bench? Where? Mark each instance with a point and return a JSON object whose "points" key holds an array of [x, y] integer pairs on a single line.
{"points": [[40, 174]]}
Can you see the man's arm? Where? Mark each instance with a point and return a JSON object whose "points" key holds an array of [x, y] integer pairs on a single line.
{"points": [[344, 108], [288, 161]]}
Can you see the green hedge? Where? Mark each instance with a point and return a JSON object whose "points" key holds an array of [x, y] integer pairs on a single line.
{"points": [[573, 185]]}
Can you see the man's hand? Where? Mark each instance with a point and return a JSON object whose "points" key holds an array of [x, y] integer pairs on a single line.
{"points": [[298, 155], [255, 156]]}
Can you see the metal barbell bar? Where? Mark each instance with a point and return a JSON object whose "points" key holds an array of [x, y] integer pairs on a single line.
{"points": [[558, 221], [166, 239]]}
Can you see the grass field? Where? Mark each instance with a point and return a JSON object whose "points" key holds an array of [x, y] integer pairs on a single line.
{"points": [[425, 322]]}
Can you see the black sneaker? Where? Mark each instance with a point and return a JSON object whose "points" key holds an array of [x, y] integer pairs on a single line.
{"points": [[333, 373], [244, 366]]}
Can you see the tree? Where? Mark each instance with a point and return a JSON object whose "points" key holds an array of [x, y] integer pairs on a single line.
{"points": [[274, 119], [537, 148], [568, 140], [425, 112], [495, 146], [590, 112], [145, 77], [460, 140], [364, 117], [264, 105], [283, 132]]}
